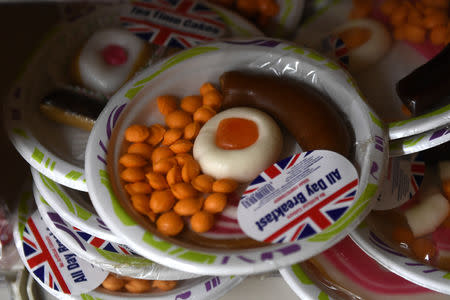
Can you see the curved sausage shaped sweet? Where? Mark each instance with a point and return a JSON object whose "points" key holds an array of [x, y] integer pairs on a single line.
{"points": [[310, 117]]}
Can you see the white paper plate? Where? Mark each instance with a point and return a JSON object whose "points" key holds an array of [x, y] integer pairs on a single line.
{"points": [[73, 206], [110, 256], [210, 61], [410, 269], [55, 150], [378, 81]]}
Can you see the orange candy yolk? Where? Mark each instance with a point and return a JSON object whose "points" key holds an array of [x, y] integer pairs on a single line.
{"points": [[355, 37], [236, 133]]}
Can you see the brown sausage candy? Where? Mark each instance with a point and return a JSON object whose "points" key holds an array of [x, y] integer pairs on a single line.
{"points": [[311, 118]]}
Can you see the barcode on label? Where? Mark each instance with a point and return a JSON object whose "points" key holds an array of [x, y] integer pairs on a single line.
{"points": [[260, 193]]}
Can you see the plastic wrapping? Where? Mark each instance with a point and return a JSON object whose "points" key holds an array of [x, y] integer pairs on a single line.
{"points": [[209, 62]]}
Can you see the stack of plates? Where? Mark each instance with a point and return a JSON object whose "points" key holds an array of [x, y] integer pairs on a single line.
{"points": [[71, 230]]}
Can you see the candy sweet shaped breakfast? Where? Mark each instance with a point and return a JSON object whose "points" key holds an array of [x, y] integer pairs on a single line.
{"points": [[189, 169], [108, 59], [311, 118], [366, 40], [235, 138], [72, 108]]}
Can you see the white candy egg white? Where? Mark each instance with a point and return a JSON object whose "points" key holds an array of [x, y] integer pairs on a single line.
{"points": [[372, 50], [244, 164], [95, 73]]}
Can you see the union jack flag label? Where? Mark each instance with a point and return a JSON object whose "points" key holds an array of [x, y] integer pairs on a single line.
{"points": [[173, 23], [53, 264], [298, 197], [333, 46], [403, 178]]}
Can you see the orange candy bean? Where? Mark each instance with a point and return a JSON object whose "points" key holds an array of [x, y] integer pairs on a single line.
{"points": [[161, 201], [138, 286], [138, 188], [203, 114], [164, 285], [171, 136], [166, 104], [213, 99], [164, 165], [191, 130], [183, 190], [140, 203], [174, 175], [182, 158], [206, 87], [161, 153], [188, 206], [181, 146], [215, 203], [132, 160], [132, 174], [399, 15], [436, 19], [190, 170], [136, 133], [170, 223], [388, 7], [178, 119], [414, 33], [113, 283], [142, 149], [156, 135], [191, 103], [438, 35], [224, 186], [156, 181], [202, 221], [203, 183]]}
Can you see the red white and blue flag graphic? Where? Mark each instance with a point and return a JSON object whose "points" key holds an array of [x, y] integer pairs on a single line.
{"points": [[173, 23], [53, 264], [333, 46], [417, 173], [298, 197], [318, 217], [40, 261], [103, 244]]}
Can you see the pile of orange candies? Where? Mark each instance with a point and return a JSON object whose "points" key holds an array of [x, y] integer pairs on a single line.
{"points": [[162, 178], [418, 21], [118, 283]]}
